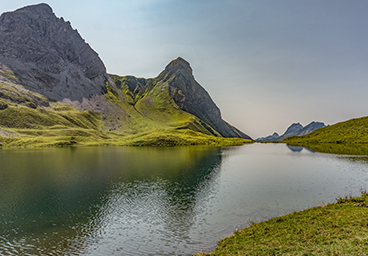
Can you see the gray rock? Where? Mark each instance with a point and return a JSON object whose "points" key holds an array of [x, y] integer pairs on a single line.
{"points": [[191, 97], [292, 128], [274, 136], [48, 56], [311, 127]]}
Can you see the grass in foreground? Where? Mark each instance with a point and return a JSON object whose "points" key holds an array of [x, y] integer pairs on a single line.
{"points": [[334, 229]]}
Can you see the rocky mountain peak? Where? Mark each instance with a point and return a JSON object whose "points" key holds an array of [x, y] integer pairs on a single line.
{"points": [[191, 97], [293, 128], [41, 9], [179, 66], [48, 56]]}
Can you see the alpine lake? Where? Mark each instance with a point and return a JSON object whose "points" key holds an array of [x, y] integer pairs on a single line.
{"points": [[159, 201]]}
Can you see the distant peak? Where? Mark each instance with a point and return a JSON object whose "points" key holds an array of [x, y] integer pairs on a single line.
{"points": [[177, 64], [38, 8]]}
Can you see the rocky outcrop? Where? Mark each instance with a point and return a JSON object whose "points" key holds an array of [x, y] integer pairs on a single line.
{"points": [[48, 56]]}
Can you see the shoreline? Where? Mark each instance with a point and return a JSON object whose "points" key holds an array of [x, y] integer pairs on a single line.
{"points": [[339, 228]]}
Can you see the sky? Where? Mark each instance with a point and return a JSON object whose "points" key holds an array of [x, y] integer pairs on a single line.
{"points": [[266, 64]]}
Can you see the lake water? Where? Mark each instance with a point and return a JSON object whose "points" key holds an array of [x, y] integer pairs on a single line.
{"points": [[158, 201]]}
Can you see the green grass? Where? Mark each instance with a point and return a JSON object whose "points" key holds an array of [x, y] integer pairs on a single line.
{"points": [[182, 137], [57, 137], [148, 116], [349, 137], [22, 117], [16, 93], [148, 107], [62, 125], [349, 132], [334, 229]]}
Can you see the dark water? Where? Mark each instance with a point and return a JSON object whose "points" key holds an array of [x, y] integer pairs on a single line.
{"points": [[158, 201]]}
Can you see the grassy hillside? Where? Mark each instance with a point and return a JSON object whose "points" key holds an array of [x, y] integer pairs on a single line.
{"points": [[151, 119], [346, 137], [150, 107], [334, 229]]}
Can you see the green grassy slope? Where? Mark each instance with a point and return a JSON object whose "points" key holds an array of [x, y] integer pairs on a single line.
{"points": [[150, 107], [147, 118], [334, 229], [345, 137]]}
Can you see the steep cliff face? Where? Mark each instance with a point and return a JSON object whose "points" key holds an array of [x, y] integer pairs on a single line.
{"points": [[48, 56], [191, 97]]}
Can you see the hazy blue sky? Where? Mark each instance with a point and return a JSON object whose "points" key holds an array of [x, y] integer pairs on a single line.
{"points": [[266, 64]]}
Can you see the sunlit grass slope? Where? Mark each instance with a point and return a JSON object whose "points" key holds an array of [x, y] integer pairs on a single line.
{"points": [[63, 125], [334, 229], [150, 107], [349, 136], [141, 116]]}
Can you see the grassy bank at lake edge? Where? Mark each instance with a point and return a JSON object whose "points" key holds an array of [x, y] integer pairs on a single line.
{"points": [[334, 229], [65, 136]]}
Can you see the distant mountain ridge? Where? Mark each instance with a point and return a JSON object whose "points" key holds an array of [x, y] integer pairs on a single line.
{"points": [[295, 129], [275, 135]]}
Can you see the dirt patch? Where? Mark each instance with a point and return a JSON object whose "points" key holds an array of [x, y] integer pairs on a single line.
{"points": [[148, 100]]}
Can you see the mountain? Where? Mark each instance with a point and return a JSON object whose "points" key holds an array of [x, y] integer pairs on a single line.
{"points": [[308, 129], [48, 56], [292, 129], [274, 136], [53, 84], [303, 131], [178, 80], [295, 129]]}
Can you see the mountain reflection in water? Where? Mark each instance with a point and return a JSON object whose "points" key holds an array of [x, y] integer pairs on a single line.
{"points": [[67, 200]]}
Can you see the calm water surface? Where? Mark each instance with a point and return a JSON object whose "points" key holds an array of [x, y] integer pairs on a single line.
{"points": [[158, 201]]}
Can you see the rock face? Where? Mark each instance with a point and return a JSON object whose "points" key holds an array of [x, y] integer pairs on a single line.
{"points": [[304, 131], [48, 56], [191, 97], [292, 128], [309, 128]]}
